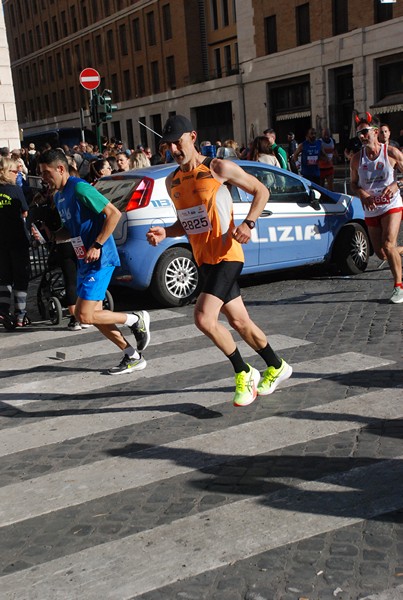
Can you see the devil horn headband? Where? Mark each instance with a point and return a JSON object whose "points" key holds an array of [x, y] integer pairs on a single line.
{"points": [[368, 118]]}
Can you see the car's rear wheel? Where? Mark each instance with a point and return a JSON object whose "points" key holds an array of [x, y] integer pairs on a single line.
{"points": [[352, 249], [176, 278]]}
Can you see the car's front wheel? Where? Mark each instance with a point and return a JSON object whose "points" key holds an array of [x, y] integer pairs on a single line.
{"points": [[176, 278], [352, 249]]}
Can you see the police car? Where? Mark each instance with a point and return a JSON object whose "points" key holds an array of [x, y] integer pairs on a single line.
{"points": [[302, 224]]}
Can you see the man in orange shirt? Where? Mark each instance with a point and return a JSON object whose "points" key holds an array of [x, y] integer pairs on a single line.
{"points": [[204, 208]]}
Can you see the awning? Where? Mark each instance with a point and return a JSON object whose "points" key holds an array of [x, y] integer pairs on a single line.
{"points": [[294, 115], [389, 104]]}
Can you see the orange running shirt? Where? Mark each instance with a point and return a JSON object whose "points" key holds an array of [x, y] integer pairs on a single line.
{"points": [[204, 208]]}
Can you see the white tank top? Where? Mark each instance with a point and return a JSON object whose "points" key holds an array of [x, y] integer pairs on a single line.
{"points": [[373, 177], [328, 147]]}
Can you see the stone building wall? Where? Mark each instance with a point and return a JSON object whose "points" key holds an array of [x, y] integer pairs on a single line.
{"points": [[9, 131]]}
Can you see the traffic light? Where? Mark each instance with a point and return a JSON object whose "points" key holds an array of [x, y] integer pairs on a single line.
{"points": [[105, 106]]}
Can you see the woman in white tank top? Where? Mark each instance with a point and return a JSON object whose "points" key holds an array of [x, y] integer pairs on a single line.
{"points": [[373, 181], [373, 177]]}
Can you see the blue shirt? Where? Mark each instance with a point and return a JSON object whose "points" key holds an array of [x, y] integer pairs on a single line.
{"points": [[310, 158], [80, 207]]}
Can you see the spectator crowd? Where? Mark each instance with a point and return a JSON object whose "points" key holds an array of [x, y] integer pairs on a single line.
{"points": [[314, 158]]}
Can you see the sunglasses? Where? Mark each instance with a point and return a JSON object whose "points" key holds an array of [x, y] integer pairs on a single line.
{"points": [[364, 131]]}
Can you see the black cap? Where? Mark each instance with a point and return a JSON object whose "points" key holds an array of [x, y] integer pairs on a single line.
{"points": [[291, 133], [175, 127]]}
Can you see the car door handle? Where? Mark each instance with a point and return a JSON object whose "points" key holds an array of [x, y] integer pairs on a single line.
{"points": [[266, 213]]}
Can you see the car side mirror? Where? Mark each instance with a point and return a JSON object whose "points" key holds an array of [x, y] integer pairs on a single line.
{"points": [[314, 197]]}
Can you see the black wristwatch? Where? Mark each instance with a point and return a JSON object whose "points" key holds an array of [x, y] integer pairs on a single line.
{"points": [[97, 245], [250, 224]]}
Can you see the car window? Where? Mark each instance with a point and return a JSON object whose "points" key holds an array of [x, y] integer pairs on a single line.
{"points": [[283, 186], [234, 191], [118, 191]]}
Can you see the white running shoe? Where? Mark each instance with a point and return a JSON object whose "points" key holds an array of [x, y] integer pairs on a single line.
{"points": [[397, 296]]}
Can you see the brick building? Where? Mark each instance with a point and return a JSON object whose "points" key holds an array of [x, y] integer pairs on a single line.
{"points": [[234, 66]]}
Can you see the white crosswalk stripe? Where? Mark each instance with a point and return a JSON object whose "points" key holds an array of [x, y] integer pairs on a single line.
{"points": [[395, 594], [161, 555], [25, 437], [129, 564], [88, 349], [21, 394], [44, 334], [45, 494]]}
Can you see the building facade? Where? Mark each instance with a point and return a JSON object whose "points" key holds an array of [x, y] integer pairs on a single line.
{"points": [[9, 133], [313, 63], [234, 67]]}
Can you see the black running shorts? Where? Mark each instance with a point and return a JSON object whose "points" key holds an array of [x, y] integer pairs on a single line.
{"points": [[221, 280]]}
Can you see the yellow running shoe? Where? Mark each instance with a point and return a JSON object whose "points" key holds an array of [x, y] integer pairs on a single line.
{"points": [[272, 377], [246, 387]]}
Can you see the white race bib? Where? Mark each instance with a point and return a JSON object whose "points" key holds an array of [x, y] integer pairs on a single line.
{"points": [[312, 160], [79, 247], [194, 220]]}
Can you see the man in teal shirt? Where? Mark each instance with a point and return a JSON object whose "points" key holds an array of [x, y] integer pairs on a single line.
{"points": [[89, 220], [280, 153]]}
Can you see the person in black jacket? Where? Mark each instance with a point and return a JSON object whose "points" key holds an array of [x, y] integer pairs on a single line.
{"points": [[14, 247]]}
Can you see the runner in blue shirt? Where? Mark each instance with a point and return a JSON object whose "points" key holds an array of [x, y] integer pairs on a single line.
{"points": [[311, 151], [89, 220]]}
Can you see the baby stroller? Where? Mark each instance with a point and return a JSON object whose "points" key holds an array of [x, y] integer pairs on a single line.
{"points": [[51, 294]]}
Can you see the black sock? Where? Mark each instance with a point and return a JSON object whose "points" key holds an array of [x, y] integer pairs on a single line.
{"points": [[270, 357], [238, 362]]}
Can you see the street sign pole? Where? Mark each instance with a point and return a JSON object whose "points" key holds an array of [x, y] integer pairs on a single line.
{"points": [[101, 106], [82, 124], [94, 99], [90, 80]]}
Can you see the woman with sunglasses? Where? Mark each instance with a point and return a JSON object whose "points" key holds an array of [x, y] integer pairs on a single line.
{"points": [[14, 247]]}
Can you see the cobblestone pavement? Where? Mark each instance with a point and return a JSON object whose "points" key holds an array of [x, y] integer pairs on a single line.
{"points": [[152, 486]]}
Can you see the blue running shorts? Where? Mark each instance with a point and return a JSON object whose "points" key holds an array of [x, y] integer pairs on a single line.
{"points": [[92, 285]]}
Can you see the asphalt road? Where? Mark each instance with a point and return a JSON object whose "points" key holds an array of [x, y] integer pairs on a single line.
{"points": [[153, 486]]}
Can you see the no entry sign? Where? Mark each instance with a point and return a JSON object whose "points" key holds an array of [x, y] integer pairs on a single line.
{"points": [[90, 78]]}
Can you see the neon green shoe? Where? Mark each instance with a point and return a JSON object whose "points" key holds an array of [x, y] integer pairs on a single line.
{"points": [[272, 377], [246, 387]]}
